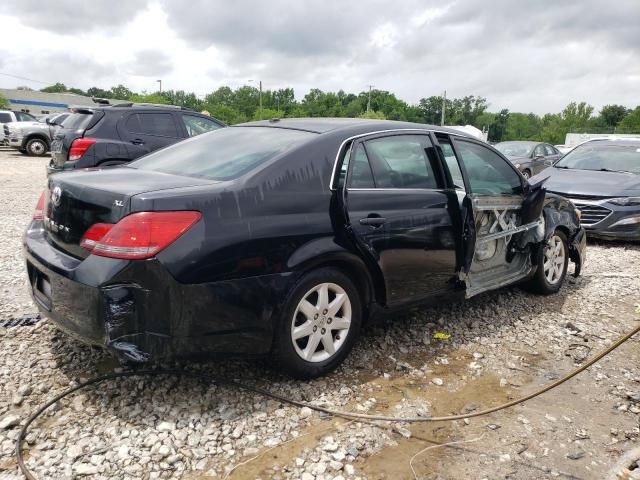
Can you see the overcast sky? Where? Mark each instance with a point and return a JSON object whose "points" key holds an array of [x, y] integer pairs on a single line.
{"points": [[526, 56]]}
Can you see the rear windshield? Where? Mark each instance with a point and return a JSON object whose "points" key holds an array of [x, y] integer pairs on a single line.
{"points": [[223, 154], [77, 121], [605, 157]]}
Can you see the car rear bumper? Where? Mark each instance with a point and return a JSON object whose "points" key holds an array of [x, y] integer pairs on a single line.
{"points": [[141, 313]]}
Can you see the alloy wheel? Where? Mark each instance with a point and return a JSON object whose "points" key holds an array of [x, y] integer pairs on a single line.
{"points": [[321, 322], [554, 260]]}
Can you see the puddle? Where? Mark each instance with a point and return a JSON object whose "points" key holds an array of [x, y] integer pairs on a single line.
{"points": [[458, 393]]}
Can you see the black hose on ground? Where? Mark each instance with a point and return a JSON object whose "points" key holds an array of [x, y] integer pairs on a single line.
{"points": [[250, 388]]}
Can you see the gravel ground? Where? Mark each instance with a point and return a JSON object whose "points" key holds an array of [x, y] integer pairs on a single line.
{"points": [[502, 345]]}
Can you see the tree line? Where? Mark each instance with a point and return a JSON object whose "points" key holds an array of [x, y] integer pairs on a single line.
{"points": [[242, 104]]}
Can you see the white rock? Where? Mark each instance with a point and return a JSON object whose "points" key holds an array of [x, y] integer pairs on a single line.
{"points": [[437, 381], [86, 469], [164, 450], [305, 412], [166, 427], [307, 476], [349, 469], [9, 421]]}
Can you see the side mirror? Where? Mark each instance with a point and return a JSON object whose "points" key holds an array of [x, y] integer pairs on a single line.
{"points": [[48, 121]]}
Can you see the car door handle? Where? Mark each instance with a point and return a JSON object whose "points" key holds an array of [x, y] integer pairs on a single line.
{"points": [[137, 141], [373, 221]]}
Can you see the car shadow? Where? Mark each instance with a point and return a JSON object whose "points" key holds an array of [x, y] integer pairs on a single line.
{"points": [[406, 338]]}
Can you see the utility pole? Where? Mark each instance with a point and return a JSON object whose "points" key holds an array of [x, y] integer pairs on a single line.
{"points": [[444, 106], [369, 102], [160, 82], [260, 99]]}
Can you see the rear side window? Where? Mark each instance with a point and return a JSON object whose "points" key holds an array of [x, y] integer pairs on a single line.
{"points": [[361, 175], [161, 124], [5, 117], [77, 121], [198, 125], [224, 154], [489, 174], [401, 161]]}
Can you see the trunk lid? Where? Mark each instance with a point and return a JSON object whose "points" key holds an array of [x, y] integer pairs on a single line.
{"points": [[75, 201]]}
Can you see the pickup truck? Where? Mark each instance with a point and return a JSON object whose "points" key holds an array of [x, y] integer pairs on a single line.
{"points": [[9, 116], [33, 137]]}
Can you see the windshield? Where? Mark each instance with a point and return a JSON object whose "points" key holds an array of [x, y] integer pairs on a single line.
{"points": [[515, 149], [607, 157], [223, 154], [77, 121]]}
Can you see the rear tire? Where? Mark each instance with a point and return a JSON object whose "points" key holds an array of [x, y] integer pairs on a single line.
{"points": [[319, 324], [36, 147], [552, 260]]}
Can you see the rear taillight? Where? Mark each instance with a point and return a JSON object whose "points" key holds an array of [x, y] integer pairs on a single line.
{"points": [[95, 233], [38, 213], [79, 147], [139, 235]]}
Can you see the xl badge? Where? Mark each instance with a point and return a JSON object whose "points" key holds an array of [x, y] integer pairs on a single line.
{"points": [[56, 195]]}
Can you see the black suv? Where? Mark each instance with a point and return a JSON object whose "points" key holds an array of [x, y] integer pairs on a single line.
{"points": [[117, 134]]}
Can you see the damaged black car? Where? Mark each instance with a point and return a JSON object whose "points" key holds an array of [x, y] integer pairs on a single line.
{"points": [[285, 237]]}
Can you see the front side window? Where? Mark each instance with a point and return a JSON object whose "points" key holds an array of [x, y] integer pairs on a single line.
{"points": [[224, 154], [489, 174], [401, 161], [550, 150], [539, 151], [198, 125], [161, 124]]}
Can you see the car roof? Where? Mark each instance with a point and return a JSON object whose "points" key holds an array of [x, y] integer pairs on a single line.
{"points": [[347, 125]]}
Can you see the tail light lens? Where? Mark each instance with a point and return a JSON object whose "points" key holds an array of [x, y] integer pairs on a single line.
{"points": [[38, 213], [139, 235], [95, 233], [79, 147]]}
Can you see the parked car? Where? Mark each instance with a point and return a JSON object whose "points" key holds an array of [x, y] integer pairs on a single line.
{"points": [[529, 157], [9, 116], [117, 134], [285, 236], [602, 178], [34, 137]]}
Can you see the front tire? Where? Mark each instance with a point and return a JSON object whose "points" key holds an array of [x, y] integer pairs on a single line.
{"points": [[552, 261], [36, 147], [319, 324], [526, 174]]}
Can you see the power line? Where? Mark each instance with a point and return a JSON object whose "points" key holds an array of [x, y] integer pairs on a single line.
{"points": [[25, 78]]}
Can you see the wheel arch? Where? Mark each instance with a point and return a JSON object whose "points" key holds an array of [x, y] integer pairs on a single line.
{"points": [[39, 136], [325, 253]]}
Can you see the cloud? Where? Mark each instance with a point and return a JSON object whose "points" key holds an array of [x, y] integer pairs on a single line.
{"points": [[150, 63], [537, 58], [71, 16]]}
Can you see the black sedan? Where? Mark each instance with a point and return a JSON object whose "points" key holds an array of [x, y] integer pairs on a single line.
{"points": [[602, 178], [529, 157], [284, 237]]}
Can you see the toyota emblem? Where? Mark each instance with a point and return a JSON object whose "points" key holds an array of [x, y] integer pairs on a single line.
{"points": [[56, 194]]}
